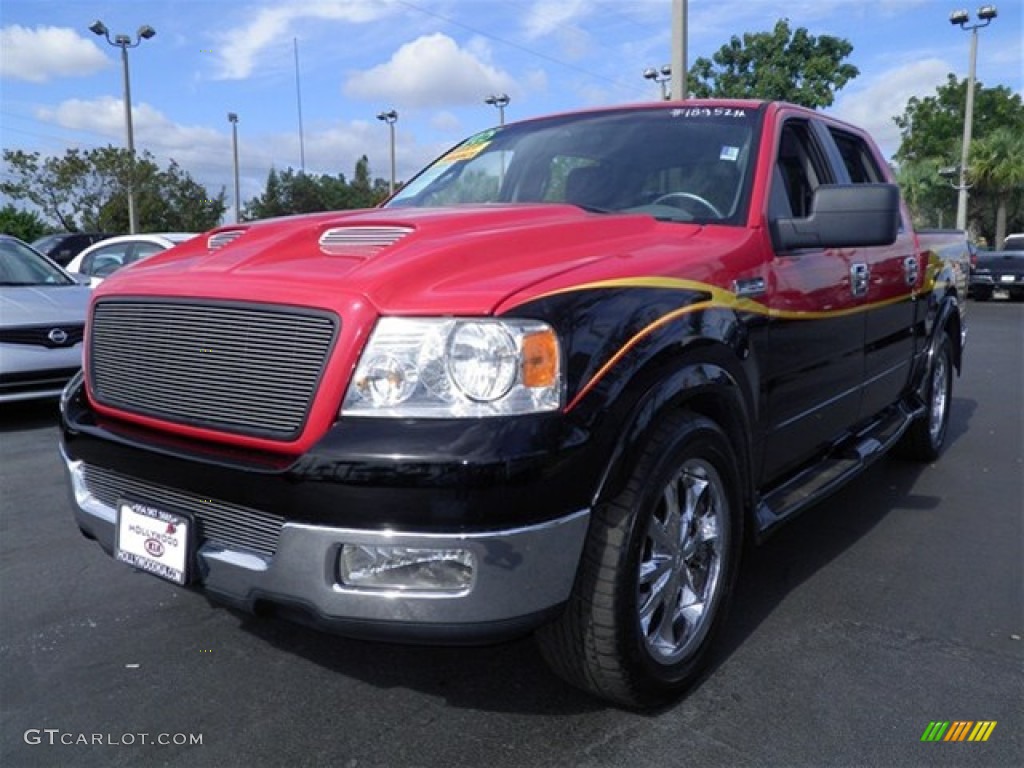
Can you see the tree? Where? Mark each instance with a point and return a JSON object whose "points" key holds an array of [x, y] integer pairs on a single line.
{"points": [[25, 225], [781, 64], [88, 190], [931, 130], [289, 191], [927, 194], [997, 169]]}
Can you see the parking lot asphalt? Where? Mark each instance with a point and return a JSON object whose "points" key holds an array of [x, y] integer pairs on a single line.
{"points": [[896, 603]]}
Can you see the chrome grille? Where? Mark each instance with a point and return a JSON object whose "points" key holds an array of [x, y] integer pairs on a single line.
{"points": [[245, 369], [228, 524]]}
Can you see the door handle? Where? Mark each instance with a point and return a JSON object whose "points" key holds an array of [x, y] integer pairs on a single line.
{"points": [[911, 270], [859, 276]]}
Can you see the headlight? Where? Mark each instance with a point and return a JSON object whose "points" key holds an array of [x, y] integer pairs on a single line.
{"points": [[449, 368]]}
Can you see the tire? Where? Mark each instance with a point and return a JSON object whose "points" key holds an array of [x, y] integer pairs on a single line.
{"points": [[926, 436], [657, 571]]}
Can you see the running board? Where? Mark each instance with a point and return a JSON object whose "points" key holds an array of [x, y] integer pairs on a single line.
{"points": [[843, 463]]}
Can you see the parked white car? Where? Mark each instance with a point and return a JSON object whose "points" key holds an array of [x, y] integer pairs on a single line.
{"points": [[102, 259], [42, 320]]}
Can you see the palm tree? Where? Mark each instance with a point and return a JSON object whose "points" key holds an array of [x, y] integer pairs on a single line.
{"points": [[927, 194], [997, 166]]}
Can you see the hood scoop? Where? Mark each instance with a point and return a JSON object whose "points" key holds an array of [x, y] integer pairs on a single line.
{"points": [[362, 241], [218, 240]]}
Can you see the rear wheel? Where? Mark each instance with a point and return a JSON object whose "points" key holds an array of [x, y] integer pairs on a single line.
{"points": [[925, 438], [657, 570]]}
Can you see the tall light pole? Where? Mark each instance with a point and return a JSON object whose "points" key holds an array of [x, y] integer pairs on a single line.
{"points": [[960, 18], [500, 101], [390, 117], [661, 77], [233, 119], [679, 14], [124, 42]]}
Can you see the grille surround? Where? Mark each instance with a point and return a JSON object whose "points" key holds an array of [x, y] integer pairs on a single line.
{"points": [[249, 369], [230, 525]]}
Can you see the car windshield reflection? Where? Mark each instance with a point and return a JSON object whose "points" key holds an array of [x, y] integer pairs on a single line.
{"points": [[670, 163], [21, 266]]}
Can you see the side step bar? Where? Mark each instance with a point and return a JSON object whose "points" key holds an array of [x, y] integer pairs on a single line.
{"points": [[847, 460]]}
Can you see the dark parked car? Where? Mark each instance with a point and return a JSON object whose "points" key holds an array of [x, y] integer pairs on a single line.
{"points": [[62, 247], [998, 272]]}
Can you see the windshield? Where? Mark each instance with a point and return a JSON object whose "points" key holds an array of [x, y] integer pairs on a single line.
{"points": [[20, 265], [674, 163]]}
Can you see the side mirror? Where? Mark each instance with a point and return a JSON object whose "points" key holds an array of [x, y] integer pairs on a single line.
{"points": [[843, 216], [80, 278]]}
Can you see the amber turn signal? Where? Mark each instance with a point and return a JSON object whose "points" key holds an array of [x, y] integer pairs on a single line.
{"points": [[540, 359]]}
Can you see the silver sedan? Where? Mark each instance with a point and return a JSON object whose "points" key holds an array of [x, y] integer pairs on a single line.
{"points": [[42, 320]]}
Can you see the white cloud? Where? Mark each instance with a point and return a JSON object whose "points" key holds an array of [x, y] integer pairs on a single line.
{"points": [[238, 49], [885, 96], [105, 116], [430, 71], [446, 122], [546, 17], [205, 153], [39, 54]]}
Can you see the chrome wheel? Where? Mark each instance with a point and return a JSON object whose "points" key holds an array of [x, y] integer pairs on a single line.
{"points": [[681, 562], [939, 399]]}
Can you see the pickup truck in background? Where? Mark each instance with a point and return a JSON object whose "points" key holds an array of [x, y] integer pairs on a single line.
{"points": [[1014, 242], [552, 385]]}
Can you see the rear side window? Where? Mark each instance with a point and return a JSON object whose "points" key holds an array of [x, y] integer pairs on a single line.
{"points": [[860, 163]]}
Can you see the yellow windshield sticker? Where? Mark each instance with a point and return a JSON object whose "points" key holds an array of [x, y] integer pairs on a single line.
{"points": [[465, 152]]}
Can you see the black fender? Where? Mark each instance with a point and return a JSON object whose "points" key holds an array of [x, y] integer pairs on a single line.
{"points": [[707, 380], [947, 320]]}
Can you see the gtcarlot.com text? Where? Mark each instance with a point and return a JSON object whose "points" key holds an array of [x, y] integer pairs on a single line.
{"points": [[54, 736]]}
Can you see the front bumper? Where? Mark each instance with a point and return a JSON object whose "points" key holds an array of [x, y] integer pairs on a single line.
{"points": [[522, 574]]}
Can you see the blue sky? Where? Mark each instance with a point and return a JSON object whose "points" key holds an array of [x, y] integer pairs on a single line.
{"points": [[434, 61]]}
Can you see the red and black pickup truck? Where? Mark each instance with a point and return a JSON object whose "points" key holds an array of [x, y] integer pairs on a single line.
{"points": [[553, 384]]}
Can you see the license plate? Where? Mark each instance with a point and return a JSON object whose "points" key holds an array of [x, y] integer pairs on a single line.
{"points": [[153, 540], [1008, 279]]}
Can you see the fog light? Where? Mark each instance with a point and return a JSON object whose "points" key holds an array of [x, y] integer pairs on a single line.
{"points": [[76, 471], [428, 570]]}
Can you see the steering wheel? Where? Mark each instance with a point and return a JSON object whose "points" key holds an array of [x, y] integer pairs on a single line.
{"points": [[674, 198]]}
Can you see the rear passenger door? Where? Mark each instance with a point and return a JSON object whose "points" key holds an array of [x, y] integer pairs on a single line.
{"points": [[893, 274], [814, 361]]}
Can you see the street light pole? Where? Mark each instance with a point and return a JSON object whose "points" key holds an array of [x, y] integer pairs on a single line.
{"points": [[679, 14], [233, 119], [960, 18], [661, 77], [390, 117], [500, 101], [124, 42]]}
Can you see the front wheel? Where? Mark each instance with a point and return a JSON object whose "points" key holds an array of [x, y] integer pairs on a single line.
{"points": [[656, 573]]}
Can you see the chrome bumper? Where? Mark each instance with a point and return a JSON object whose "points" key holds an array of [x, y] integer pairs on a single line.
{"points": [[521, 573]]}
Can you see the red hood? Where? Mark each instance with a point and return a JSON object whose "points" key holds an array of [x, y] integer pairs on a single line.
{"points": [[444, 261]]}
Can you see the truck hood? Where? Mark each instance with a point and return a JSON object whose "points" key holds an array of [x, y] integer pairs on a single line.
{"points": [[410, 261]]}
